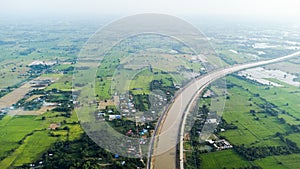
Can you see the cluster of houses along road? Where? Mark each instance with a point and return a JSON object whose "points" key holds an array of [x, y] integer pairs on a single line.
{"points": [[123, 106]]}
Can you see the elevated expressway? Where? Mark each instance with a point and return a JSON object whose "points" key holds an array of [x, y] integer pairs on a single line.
{"points": [[170, 129]]}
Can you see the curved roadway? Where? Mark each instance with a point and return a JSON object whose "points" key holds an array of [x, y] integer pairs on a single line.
{"points": [[170, 126]]}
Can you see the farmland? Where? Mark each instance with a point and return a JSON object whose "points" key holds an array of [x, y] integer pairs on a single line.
{"points": [[134, 81], [133, 86], [121, 71], [24, 134], [45, 114], [27, 137], [226, 158], [262, 117]]}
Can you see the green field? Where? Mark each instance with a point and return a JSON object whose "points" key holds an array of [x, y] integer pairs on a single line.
{"points": [[295, 137], [131, 65], [13, 130], [226, 158], [32, 148], [250, 131], [279, 96], [64, 83], [25, 138], [279, 162], [259, 113]]}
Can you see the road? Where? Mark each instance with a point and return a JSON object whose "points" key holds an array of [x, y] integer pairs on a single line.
{"points": [[163, 154]]}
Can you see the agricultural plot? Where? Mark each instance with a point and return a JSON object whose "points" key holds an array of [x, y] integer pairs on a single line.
{"points": [[17, 94], [25, 138], [285, 98], [264, 116], [13, 97], [250, 131], [145, 77], [21, 112], [289, 66], [25, 135], [64, 84], [223, 159], [279, 162], [262, 76], [125, 63], [32, 148], [234, 57], [295, 137], [13, 129]]}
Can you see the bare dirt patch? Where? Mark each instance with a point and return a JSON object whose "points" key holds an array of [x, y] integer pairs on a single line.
{"points": [[22, 112], [16, 95]]}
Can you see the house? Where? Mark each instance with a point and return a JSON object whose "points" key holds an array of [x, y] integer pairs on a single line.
{"points": [[54, 126], [222, 144], [212, 121], [125, 110], [210, 141], [49, 104], [3, 112], [208, 94], [101, 114], [129, 132], [114, 117], [43, 63]]}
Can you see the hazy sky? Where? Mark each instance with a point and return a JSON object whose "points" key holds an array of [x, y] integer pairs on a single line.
{"points": [[270, 8]]}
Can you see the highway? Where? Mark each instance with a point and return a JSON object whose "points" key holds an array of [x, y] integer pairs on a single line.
{"points": [[163, 154]]}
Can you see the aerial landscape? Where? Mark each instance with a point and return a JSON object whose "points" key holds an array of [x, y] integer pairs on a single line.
{"points": [[149, 87]]}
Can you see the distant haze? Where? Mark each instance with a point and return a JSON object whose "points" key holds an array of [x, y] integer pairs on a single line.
{"points": [[257, 8]]}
